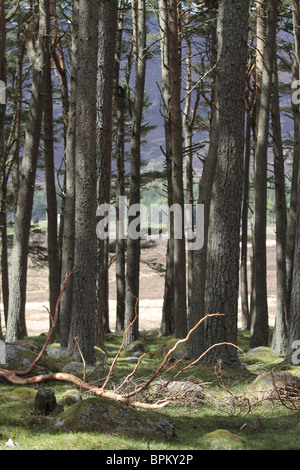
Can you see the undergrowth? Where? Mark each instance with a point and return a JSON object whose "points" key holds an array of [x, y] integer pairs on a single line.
{"points": [[267, 426]]}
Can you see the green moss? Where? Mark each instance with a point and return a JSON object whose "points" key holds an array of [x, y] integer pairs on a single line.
{"points": [[222, 439], [22, 393]]}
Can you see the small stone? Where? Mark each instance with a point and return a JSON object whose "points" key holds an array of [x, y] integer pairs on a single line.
{"points": [[71, 396], [11, 444]]}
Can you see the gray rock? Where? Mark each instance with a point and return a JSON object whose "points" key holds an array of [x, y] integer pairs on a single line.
{"points": [[71, 396], [269, 385], [137, 348], [76, 368], [132, 360], [57, 352]]}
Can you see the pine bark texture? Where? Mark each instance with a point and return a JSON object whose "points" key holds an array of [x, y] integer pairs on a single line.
{"points": [[85, 251], [133, 245], [68, 232], [16, 326], [259, 304], [180, 295], [224, 230], [108, 13]]}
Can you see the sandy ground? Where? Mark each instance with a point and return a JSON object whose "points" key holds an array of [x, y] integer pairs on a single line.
{"points": [[151, 292]]}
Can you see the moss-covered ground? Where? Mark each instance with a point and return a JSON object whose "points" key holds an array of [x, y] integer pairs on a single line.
{"points": [[268, 425]]}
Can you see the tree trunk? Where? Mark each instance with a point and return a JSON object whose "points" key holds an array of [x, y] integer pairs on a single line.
{"points": [[120, 109], [85, 250], [167, 322], [292, 356], [68, 235], [259, 309], [108, 13], [3, 182], [244, 241], [120, 103], [133, 245], [52, 246], [197, 342], [280, 334], [16, 327], [224, 230], [296, 153], [180, 298]]}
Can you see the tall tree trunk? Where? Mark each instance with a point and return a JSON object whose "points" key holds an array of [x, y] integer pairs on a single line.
{"points": [[293, 239], [120, 103], [292, 355], [108, 13], [3, 179], [167, 322], [197, 342], [85, 250], [16, 326], [3, 157], [180, 298], [296, 158], [224, 231], [68, 235], [189, 117], [244, 242], [133, 245], [52, 246], [280, 335], [259, 310], [120, 107]]}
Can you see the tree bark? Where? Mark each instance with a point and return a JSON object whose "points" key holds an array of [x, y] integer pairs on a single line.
{"points": [[259, 302], [180, 297], [244, 224], [281, 330], [133, 245], [68, 234], [52, 245], [197, 342], [167, 322], [224, 230], [85, 250], [16, 325], [108, 11], [292, 214], [120, 107]]}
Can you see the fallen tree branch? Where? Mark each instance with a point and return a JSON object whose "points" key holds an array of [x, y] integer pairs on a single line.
{"points": [[17, 377]]}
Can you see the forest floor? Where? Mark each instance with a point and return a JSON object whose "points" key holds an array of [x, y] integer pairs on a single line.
{"points": [[151, 290], [229, 417]]}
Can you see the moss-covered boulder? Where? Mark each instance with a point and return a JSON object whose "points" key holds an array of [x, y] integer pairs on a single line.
{"points": [[98, 414], [20, 357], [261, 354], [273, 384], [70, 397], [181, 350], [136, 349], [22, 393], [221, 439], [77, 368]]}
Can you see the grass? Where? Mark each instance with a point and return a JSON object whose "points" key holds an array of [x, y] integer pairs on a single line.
{"points": [[269, 426]]}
